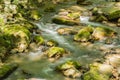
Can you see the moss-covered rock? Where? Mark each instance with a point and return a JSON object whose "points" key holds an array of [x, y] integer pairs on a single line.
{"points": [[70, 69], [111, 13], [35, 14], [94, 74], [64, 20], [68, 17], [39, 40], [114, 15], [55, 52], [84, 34], [51, 43], [93, 34], [66, 31], [101, 33], [18, 37], [5, 69]]}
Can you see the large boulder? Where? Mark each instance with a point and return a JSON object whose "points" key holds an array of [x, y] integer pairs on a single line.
{"points": [[70, 69], [95, 72], [18, 37], [69, 16], [84, 34]]}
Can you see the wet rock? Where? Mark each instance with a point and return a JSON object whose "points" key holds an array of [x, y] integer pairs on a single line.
{"points": [[35, 14], [114, 60], [70, 69], [83, 2], [84, 34], [51, 43], [69, 16], [39, 40], [65, 20], [55, 53], [106, 69], [5, 69], [94, 74], [66, 31], [18, 37], [100, 33], [109, 14]]}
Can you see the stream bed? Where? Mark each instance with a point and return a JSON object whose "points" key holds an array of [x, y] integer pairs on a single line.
{"points": [[34, 66]]}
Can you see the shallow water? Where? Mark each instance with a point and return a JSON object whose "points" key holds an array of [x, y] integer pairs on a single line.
{"points": [[34, 66]]}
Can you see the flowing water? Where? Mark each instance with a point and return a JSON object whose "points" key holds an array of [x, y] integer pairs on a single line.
{"points": [[36, 67]]}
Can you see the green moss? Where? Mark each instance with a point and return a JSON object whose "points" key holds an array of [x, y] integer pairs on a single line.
{"points": [[55, 51], [106, 31], [74, 15], [18, 36], [70, 69], [35, 14], [60, 20], [114, 15], [94, 74], [6, 68], [39, 40], [52, 43], [84, 34], [69, 64]]}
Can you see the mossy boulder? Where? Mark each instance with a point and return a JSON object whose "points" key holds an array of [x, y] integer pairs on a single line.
{"points": [[94, 74], [51, 43], [67, 18], [55, 52], [84, 34], [39, 40], [93, 34], [6, 68], [101, 33], [70, 69], [106, 13], [18, 37], [35, 14], [66, 31]]}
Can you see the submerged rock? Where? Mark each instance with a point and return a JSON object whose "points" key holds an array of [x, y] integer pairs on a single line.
{"points": [[70, 69]]}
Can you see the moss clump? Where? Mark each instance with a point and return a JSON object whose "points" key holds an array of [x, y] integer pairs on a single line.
{"points": [[55, 52], [39, 40], [18, 36], [35, 14], [60, 20], [94, 74], [70, 69], [69, 64], [52, 43], [101, 33], [114, 15], [6, 69], [84, 34]]}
